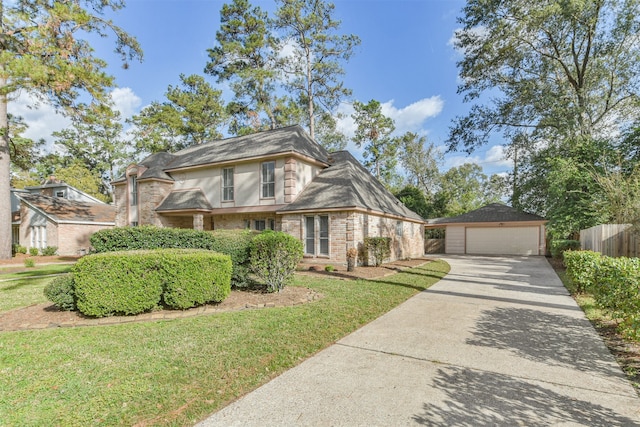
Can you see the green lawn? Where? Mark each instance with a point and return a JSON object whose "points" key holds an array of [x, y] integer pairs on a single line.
{"points": [[25, 288], [177, 372]]}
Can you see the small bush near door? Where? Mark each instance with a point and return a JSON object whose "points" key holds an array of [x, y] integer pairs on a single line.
{"points": [[379, 248], [274, 257]]}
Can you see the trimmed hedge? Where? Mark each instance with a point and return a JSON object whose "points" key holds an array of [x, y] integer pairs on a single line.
{"points": [[195, 278], [148, 237], [236, 244], [582, 267], [558, 247], [274, 257], [133, 282], [614, 283]]}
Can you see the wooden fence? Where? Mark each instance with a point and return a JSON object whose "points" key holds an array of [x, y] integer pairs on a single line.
{"points": [[613, 240], [433, 246]]}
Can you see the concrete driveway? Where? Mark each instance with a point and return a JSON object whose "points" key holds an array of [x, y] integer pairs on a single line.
{"points": [[498, 341]]}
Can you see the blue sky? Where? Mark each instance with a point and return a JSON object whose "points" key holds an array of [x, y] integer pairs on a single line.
{"points": [[405, 61]]}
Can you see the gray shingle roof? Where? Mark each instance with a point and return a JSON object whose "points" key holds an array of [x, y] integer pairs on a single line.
{"points": [[494, 212], [277, 141], [185, 199], [347, 184]]}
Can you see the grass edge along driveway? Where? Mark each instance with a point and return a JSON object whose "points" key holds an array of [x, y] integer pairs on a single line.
{"points": [[177, 372]]}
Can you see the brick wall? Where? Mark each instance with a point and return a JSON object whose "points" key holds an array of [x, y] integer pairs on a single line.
{"points": [[151, 194], [73, 239], [120, 203]]}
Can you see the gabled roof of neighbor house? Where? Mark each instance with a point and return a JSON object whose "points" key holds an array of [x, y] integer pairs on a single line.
{"points": [[494, 212], [347, 184], [185, 200], [61, 210]]}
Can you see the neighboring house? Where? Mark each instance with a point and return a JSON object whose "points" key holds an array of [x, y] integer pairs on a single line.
{"points": [[494, 229], [57, 214], [279, 179]]}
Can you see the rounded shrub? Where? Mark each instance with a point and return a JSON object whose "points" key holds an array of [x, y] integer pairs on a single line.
{"points": [[274, 257], [60, 291]]}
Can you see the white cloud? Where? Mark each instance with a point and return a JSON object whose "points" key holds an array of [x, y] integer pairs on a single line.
{"points": [[496, 156], [125, 101], [412, 117], [407, 119], [491, 160]]}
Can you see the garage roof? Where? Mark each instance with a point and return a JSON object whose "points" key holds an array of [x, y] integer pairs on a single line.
{"points": [[494, 212]]}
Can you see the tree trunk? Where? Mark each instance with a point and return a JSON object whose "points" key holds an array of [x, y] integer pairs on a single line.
{"points": [[5, 171]]}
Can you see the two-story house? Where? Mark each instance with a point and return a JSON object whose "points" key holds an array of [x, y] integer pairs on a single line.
{"points": [[279, 179]]}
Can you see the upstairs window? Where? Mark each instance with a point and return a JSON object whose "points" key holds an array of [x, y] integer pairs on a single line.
{"points": [[133, 187], [268, 179], [227, 184]]}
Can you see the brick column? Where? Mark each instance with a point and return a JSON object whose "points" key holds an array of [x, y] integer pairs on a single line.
{"points": [[198, 222]]}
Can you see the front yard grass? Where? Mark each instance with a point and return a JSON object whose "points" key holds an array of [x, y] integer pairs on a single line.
{"points": [[177, 372], [25, 288]]}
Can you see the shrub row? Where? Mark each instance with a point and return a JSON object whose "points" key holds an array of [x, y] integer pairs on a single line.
{"points": [[137, 281], [614, 283], [149, 237], [234, 243]]}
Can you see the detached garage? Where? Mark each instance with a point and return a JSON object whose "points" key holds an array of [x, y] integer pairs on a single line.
{"points": [[495, 229]]}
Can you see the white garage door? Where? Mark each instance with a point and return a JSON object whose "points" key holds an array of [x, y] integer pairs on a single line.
{"points": [[503, 240]]}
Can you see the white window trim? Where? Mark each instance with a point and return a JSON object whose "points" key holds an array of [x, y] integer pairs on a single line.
{"points": [[264, 183], [226, 187]]}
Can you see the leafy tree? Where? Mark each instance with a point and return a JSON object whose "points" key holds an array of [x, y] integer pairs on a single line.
{"points": [[414, 199], [95, 140], [421, 162], [313, 69], [621, 195], [558, 183], [463, 189], [79, 176], [191, 115], [561, 69], [23, 152], [43, 52], [373, 131], [246, 57]]}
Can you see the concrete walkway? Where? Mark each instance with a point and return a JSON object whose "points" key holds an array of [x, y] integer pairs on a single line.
{"points": [[497, 342]]}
